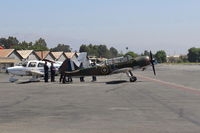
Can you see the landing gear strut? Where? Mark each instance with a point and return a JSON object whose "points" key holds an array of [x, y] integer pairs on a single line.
{"points": [[69, 79], [131, 76], [12, 79]]}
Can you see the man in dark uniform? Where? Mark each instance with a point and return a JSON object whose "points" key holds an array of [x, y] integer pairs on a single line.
{"points": [[69, 69], [81, 78], [53, 72], [94, 77], [46, 72], [61, 77]]}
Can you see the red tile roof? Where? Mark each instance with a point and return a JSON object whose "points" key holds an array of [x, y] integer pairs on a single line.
{"points": [[42, 54], [69, 55], [6, 52], [56, 55], [24, 53]]}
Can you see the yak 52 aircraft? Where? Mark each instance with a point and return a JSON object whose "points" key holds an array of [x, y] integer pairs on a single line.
{"points": [[112, 66], [32, 68]]}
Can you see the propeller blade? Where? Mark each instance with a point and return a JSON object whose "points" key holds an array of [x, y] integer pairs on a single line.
{"points": [[154, 71], [152, 63]]}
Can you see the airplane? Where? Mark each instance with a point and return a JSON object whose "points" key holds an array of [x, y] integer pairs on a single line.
{"points": [[113, 66], [32, 68]]}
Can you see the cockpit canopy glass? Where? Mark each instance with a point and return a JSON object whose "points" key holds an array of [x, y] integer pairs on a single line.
{"points": [[118, 60], [32, 64], [40, 64], [24, 64]]}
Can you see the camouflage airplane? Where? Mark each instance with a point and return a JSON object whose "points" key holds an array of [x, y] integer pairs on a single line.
{"points": [[122, 65]]}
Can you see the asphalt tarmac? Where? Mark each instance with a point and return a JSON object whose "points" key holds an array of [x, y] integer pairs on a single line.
{"points": [[166, 103]]}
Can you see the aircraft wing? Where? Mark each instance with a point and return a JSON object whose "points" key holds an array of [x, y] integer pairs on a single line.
{"points": [[122, 70], [70, 72], [34, 72]]}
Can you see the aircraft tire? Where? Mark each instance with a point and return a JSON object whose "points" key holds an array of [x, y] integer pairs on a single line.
{"points": [[133, 79]]}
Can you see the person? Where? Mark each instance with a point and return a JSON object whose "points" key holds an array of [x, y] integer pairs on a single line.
{"points": [[94, 77], [53, 71], [46, 72], [81, 78], [69, 69], [61, 77]]}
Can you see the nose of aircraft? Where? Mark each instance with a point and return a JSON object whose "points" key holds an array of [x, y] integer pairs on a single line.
{"points": [[8, 70], [143, 60], [147, 60]]}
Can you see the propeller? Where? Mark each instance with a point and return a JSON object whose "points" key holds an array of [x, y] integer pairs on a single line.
{"points": [[152, 63]]}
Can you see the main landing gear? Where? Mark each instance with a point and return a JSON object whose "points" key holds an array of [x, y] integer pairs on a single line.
{"points": [[131, 76], [12, 79], [66, 79]]}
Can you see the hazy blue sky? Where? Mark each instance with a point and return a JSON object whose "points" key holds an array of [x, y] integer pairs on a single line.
{"points": [[172, 25]]}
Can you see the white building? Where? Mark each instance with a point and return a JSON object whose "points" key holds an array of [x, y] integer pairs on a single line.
{"points": [[27, 55], [8, 57], [45, 55], [58, 56]]}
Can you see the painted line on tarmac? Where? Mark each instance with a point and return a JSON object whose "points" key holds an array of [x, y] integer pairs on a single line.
{"points": [[172, 85]]}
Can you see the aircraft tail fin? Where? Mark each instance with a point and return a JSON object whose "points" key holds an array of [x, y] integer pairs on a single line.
{"points": [[68, 66]]}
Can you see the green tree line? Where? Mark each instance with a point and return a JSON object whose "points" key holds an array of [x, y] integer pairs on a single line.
{"points": [[94, 50], [194, 54], [99, 50], [12, 42]]}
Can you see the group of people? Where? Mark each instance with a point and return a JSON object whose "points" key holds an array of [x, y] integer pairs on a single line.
{"points": [[62, 77], [46, 72]]}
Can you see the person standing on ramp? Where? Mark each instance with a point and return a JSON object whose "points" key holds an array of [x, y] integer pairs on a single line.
{"points": [[46, 72], [53, 71]]}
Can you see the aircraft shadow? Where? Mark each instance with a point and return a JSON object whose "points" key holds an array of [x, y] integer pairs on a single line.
{"points": [[120, 82], [116, 82], [26, 82]]}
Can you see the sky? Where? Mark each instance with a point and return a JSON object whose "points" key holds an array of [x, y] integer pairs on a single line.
{"points": [[170, 25]]}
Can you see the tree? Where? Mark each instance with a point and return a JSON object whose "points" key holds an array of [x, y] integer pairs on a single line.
{"points": [[40, 45], [113, 52], [4, 43], [41, 42], [93, 50], [9, 43], [194, 54], [23, 46], [83, 48], [61, 47], [99, 50], [161, 56], [39, 48], [103, 51], [131, 53], [12, 42]]}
